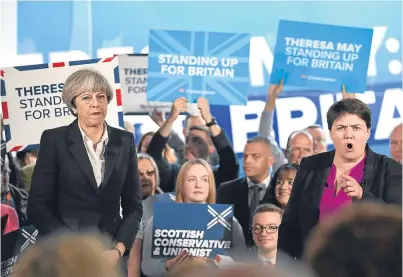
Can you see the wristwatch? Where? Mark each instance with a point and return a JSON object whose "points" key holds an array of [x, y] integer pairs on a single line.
{"points": [[212, 122]]}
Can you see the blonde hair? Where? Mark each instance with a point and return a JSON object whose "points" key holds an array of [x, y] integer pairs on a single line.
{"points": [[66, 256], [180, 197]]}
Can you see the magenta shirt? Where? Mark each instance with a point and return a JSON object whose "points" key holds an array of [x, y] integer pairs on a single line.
{"points": [[331, 202]]}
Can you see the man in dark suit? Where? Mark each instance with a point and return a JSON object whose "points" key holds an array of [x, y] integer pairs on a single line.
{"points": [[248, 192], [87, 171]]}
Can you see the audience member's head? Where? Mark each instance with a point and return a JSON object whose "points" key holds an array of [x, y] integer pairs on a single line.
{"points": [[67, 256], [192, 121], [319, 138], [27, 157], [195, 183], [148, 175], [265, 224], [299, 145], [281, 184], [257, 159], [199, 144], [395, 143], [361, 240]]}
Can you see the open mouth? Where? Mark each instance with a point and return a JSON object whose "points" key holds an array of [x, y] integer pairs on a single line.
{"points": [[349, 147]]}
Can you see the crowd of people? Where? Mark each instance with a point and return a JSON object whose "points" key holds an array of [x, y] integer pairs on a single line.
{"points": [[332, 213]]}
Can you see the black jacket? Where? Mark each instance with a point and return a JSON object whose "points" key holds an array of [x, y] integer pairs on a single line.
{"points": [[64, 194], [382, 181]]}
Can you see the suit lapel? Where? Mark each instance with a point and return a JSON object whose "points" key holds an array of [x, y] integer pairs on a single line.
{"points": [[112, 151], [79, 152], [321, 177]]}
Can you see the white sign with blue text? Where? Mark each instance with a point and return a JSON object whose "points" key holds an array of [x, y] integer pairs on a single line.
{"points": [[31, 99], [322, 57], [194, 64], [133, 75]]}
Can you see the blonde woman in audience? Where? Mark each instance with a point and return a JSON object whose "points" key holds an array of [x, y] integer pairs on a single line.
{"points": [[195, 184], [73, 255]]}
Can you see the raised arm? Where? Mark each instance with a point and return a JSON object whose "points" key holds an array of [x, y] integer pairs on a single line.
{"points": [[174, 141], [228, 168], [266, 124], [167, 171]]}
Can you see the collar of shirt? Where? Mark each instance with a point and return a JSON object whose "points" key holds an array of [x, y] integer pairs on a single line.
{"points": [[104, 139], [265, 260], [265, 182]]}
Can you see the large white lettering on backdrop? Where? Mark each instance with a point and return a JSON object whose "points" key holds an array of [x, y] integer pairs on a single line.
{"points": [[310, 112]]}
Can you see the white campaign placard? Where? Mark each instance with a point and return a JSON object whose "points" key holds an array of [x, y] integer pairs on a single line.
{"points": [[32, 99], [133, 74]]}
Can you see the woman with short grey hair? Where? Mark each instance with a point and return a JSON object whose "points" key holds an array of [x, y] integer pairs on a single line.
{"points": [[87, 171]]}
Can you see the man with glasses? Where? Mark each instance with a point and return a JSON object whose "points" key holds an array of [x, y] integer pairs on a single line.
{"points": [[148, 175], [265, 224]]}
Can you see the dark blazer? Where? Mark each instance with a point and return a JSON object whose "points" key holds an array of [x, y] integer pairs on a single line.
{"points": [[382, 181], [64, 194], [236, 193]]}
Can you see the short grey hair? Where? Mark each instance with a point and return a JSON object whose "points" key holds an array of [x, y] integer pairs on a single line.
{"points": [[143, 156], [296, 133], [82, 81]]}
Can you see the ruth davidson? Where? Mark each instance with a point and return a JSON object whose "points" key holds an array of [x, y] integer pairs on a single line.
{"points": [[87, 170]]}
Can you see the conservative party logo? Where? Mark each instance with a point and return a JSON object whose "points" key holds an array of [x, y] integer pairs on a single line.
{"points": [[29, 238], [219, 218]]}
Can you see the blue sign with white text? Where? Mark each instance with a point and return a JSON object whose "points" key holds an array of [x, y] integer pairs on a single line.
{"points": [[319, 56], [203, 230], [194, 64]]}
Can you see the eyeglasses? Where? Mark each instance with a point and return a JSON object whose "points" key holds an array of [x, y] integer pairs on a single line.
{"points": [[271, 229], [149, 173]]}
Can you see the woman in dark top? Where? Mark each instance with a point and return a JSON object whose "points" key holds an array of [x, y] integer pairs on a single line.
{"points": [[327, 181]]}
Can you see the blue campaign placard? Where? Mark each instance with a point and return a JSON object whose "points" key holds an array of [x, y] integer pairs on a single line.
{"points": [[322, 57], [166, 197], [204, 230], [193, 64]]}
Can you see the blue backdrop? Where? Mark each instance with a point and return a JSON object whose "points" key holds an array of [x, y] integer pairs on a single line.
{"points": [[50, 29]]}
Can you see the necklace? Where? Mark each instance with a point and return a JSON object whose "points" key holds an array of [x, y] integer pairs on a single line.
{"points": [[102, 135]]}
